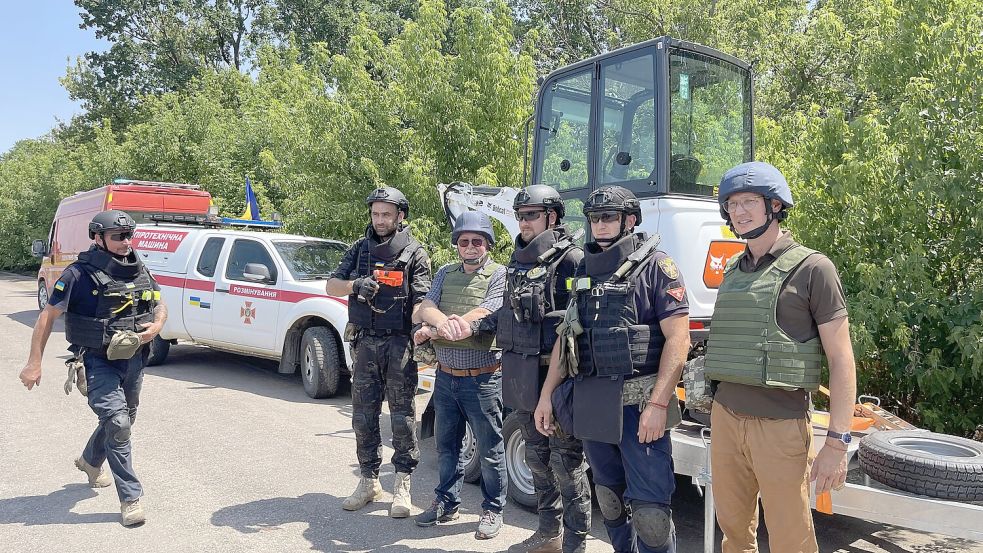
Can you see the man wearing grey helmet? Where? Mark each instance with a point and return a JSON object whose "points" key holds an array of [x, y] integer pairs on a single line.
{"points": [[385, 275], [468, 389], [112, 309], [780, 309]]}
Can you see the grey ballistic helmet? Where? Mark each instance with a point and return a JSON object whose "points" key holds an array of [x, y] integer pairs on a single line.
{"points": [[113, 220], [389, 195], [473, 221], [540, 195]]}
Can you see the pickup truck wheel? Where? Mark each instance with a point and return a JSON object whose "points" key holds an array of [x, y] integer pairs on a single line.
{"points": [[926, 463], [472, 463], [159, 348], [320, 365], [521, 487], [42, 295]]}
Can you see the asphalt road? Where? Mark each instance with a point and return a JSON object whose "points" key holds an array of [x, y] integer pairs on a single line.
{"points": [[235, 457]]}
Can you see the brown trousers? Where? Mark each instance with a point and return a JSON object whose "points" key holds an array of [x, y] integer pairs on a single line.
{"points": [[771, 457]]}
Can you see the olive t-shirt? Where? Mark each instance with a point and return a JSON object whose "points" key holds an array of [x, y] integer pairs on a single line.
{"points": [[810, 296]]}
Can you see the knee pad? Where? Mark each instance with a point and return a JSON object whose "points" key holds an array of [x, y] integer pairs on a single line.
{"points": [[652, 523], [118, 427], [361, 422], [613, 507]]}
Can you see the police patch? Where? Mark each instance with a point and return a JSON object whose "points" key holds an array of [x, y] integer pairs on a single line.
{"points": [[668, 267], [60, 286], [678, 293]]}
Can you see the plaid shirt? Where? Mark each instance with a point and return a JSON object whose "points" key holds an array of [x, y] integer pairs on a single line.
{"points": [[469, 358]]}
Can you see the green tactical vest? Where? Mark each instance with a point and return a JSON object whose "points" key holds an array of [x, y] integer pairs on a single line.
{"points": [[461, 293], [746, 345]]}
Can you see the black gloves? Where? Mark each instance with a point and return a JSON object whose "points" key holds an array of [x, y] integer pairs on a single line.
{"points": [[365, 288]]}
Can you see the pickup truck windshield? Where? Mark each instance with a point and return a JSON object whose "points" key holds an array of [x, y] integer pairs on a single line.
{"points": [[310, 259]]}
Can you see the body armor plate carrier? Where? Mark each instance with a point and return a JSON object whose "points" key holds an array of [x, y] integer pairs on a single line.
{"points": [[392, 304]]}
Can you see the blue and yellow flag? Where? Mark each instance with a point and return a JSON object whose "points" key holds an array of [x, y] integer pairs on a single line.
{"points": [[252, 208]]}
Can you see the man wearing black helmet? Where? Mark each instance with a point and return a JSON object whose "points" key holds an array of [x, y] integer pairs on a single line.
{"points": [[791, 296], [468, 389], [112, 309], [631, 322], [536, 295], [385, 275]]}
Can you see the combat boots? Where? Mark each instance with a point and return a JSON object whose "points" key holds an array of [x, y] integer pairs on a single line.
{"points": [[132, 512], [98, 477], [401, 496], [368, 490]]}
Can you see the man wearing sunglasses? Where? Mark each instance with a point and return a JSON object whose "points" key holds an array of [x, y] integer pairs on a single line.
{"points": [[112, 309], [385, 275], [468, 389], [536, 297], [792, 296], [630, 302]]}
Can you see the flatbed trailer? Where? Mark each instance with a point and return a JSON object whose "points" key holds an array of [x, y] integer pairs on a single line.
{"points": [[861, 497]]}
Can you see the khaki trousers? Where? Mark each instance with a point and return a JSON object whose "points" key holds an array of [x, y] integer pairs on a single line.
{"points": [[771, 457]]}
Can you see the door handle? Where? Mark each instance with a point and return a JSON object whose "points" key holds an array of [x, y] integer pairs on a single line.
{"points": [[223, 290]]}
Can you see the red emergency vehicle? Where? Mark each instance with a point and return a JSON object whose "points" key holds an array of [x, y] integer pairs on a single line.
{"points": [[69, 234]]}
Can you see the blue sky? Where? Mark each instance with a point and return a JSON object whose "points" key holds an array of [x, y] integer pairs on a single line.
{"points": [[37, 41]]}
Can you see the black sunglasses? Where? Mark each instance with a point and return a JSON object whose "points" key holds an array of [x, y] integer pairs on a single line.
{"points": [[529, 215], [120, 236], [476, 242], [604, 216]]}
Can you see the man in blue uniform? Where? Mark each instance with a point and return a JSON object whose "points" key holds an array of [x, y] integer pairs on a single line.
{"points": [[112, 309], [385, 275], [630, 322]]}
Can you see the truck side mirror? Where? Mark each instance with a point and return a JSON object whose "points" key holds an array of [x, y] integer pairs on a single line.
{"points": [[256, 272], [39, 248]]}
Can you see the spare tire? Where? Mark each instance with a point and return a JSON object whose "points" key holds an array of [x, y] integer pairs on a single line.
{"points": [[926, 463]]}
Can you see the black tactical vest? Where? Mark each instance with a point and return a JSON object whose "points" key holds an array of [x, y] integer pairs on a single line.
{"points": [[126, 299], [613, 342], [392, 303], [534, 301]]}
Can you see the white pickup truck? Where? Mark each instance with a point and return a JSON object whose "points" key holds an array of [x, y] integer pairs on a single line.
{"points": [[253, 293]]}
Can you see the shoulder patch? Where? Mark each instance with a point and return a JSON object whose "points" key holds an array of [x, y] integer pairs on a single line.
{"points": [[60, 286], [668, 266], [679, 293]]}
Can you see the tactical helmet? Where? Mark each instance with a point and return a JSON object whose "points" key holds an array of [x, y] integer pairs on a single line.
{"points": [[389, 195], [614, 198], [539, 195], [109, 221], [473, 221], [757, 177]]}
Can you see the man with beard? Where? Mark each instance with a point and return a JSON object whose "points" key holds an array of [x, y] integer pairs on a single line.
{"points": [[385, 275], [633, 321], [536, 297], [112, 309]]}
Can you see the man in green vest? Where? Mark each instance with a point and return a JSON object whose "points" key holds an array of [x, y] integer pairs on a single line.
{"points": [[779, 312], [469, 380]]}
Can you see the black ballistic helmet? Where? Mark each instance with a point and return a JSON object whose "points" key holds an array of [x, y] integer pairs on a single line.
{"points": [[389, 195], [540, 195], [614, 198], [113, 220]]}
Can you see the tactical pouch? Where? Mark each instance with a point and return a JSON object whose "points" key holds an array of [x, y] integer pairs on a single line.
{"points": [[424, 353], [610, 348], [597, 409], [123, 345], [532, 304], [520, 381]]}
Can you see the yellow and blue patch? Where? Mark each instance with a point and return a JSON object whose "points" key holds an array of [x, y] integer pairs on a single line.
{"points": [[195, 301], [60, 286]]}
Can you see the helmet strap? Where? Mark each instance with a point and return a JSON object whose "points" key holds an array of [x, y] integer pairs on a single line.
{"points": [[475, 260], [754, 233]]}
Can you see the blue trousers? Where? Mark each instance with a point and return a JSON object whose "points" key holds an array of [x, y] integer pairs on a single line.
{"points": [[114, 394], [642, 473], [476, 400]]}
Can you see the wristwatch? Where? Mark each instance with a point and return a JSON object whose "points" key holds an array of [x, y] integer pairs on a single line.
{"points": [[844, 438], [474, 326]]}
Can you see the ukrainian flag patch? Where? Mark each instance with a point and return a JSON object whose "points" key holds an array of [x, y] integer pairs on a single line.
{"points": [[195, 301], [60, 286]]}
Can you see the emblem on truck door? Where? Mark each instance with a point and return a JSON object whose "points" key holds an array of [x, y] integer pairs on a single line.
{"points": [[247, 313]]}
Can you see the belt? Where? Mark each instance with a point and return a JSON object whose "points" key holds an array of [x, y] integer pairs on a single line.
{"points": [[471, 372]]}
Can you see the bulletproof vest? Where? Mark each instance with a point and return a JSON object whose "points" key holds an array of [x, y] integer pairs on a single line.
{"points": [[534, 300], [125, 299], [614, 343], [392, 255], [746, 345], [462, 292]]}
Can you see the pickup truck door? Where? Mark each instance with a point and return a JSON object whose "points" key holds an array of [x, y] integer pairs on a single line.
{"points": [[199, 290], [244, 312]]}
